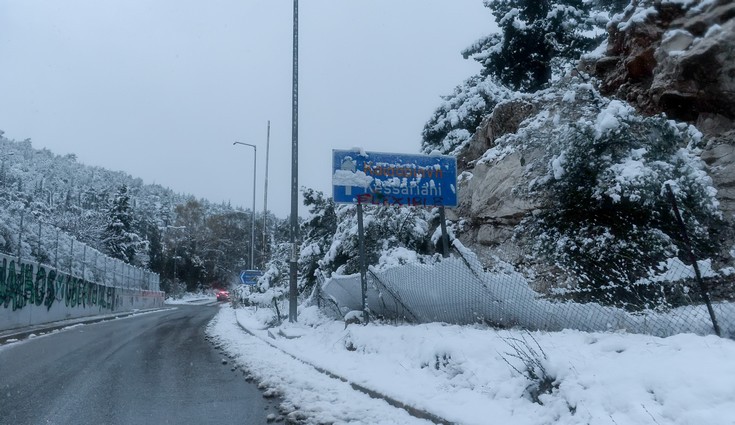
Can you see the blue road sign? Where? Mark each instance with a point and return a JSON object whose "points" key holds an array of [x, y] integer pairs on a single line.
{"points": [[378, 178], [250, 277]]}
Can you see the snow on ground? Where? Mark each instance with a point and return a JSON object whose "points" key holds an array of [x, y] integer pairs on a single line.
{"points": [[192, 298], [473, 375]]}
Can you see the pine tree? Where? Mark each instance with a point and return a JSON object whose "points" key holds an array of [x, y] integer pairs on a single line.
{"points": [[155, 248], [538, 40], [119, 239], [611, 6], [456, 119]]}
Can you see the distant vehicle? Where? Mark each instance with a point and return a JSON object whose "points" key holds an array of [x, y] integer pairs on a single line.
{"points": [[223, 295]]}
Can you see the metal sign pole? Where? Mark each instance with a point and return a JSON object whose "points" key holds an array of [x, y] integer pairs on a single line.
{"points": [[363, 277]]}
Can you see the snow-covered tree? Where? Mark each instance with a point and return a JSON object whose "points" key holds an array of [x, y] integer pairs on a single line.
{"points": [[79, 200], [274, 284], [318, 231], [119, 239], [538, 41], [611, 6], [456, 119]]}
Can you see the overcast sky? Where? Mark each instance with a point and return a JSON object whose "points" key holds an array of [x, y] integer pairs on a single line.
{"points": [[161, 89]]}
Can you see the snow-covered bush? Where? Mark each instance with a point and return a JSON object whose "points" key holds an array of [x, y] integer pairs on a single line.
{"points": [[386, 228], [605, 220], [534, 365], [276, 272]]}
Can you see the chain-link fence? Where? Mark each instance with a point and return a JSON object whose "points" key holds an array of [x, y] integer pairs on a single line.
{"points": [[651, 281], [459, 290], [34, 241]]}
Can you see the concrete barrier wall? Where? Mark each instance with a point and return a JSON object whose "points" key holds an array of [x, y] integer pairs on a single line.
{"points": [[32, 294]]}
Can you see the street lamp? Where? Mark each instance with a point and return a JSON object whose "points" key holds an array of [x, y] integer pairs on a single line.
{"points": [[252, 229], [176, 249]]}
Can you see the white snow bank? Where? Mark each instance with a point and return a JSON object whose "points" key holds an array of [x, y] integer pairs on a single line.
{"points": [[461, 373]]}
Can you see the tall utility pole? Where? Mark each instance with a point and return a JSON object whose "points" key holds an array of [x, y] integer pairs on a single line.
{"points": [[265, 195], [294, 166]]}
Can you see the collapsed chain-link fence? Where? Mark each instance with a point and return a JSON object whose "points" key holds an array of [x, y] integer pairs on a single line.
{"points": [[459, 290], [34, 241]]}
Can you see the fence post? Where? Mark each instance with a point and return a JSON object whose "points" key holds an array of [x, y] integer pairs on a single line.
{"points": [[693, 259], [445, 236], [56, 250], [71, 258], [20, 238], [318, 293], [84, 262], [39, 241]]}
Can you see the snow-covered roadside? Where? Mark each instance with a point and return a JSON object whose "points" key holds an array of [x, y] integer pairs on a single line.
{"points": [[460, 373], [310, 395]]}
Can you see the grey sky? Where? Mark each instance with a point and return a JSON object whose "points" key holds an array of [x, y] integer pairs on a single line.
{"points": [[161, 88]]}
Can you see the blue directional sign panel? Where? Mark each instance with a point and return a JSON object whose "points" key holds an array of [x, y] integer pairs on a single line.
{"points": [[250, 277], [377, 178]]}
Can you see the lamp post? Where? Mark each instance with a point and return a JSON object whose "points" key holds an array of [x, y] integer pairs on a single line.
{"points": [[176, 249], [252, 229]]}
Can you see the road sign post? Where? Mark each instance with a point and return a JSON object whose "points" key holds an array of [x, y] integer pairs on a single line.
{"points": [[387, 179]]}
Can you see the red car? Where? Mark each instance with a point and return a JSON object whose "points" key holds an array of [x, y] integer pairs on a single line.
{"points": [[223, 295]]}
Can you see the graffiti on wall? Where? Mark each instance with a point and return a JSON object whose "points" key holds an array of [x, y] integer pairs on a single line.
{"points": [[21, 285]]}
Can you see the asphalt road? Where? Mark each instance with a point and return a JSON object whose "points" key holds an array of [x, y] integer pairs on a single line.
{"points": [[154, 368]]}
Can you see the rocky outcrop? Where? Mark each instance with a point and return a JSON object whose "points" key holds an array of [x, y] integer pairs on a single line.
{"points": [[489, 197], [719, 154], [679, 59], [675, 58], [505, 118]]}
